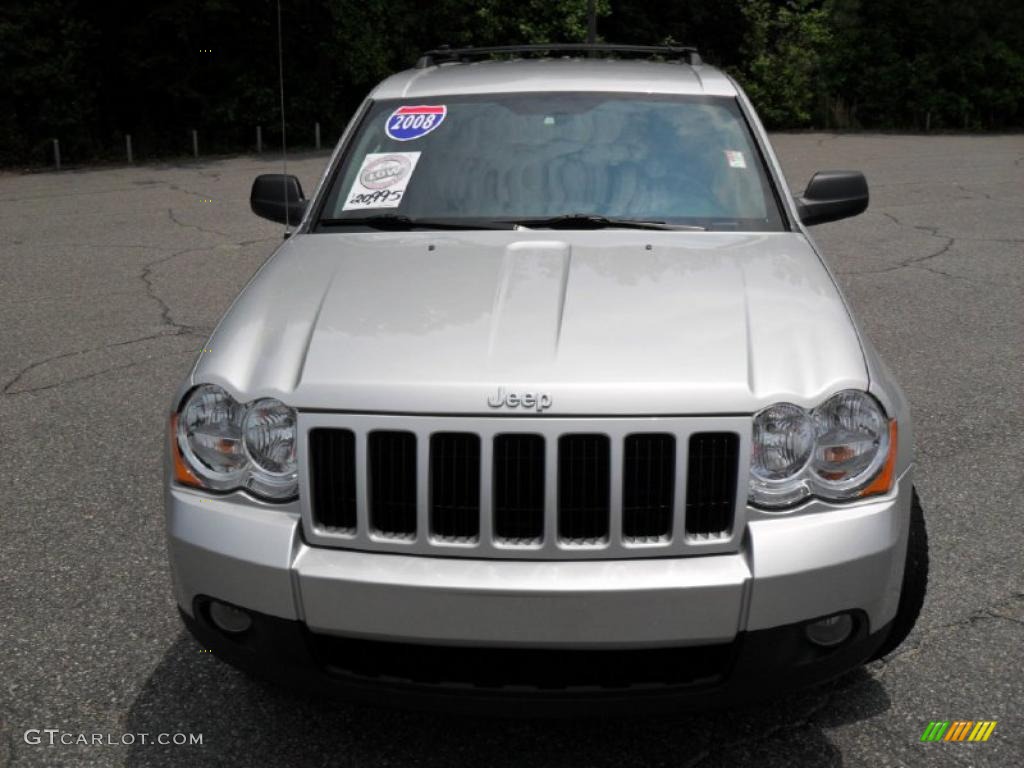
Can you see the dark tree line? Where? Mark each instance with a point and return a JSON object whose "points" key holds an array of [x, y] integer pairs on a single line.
{"points": [[89, 72]]}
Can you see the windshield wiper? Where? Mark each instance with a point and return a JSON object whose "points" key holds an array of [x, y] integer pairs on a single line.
{"points": [[399, 222], [594, 221]]}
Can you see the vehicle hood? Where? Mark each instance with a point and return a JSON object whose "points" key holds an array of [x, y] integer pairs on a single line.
{"points": [[602, 322]]}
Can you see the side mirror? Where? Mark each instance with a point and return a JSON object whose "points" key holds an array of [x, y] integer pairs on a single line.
{"points": [[277, 197], [833, 195]]}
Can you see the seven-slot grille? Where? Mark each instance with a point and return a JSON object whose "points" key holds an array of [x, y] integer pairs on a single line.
{"points": [[521, 491], [455, 485], [393, 483], [584, 505], [712, 473], [333, 456], [648, 487], [518, 482]]}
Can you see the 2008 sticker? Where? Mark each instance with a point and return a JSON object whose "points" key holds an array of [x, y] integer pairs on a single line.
{"points": [[408, 123]]}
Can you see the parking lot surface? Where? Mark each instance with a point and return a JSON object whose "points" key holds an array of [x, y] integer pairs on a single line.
{"points": [[110, 282]]}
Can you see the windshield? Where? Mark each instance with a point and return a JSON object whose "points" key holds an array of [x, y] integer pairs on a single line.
{"points": [[553, 159]]}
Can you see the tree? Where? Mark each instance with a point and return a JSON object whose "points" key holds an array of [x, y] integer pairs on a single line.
{"points": [[782, 59], [88, 72]]}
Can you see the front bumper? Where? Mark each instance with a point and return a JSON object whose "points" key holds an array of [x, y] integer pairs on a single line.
{"points": [[790, 569], [754, 665]]}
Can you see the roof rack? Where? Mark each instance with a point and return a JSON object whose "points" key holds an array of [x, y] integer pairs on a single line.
{"points": [[444, 54]]}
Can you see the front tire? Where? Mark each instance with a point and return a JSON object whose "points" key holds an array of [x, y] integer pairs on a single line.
{"points": [[915, 581]]}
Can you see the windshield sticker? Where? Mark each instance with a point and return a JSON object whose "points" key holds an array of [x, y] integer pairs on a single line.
{"points": [[408, 123], [735, 159], [381, 180]]}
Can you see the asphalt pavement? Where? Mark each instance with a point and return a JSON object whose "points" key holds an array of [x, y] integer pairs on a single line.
{"points": [[110, 282]]}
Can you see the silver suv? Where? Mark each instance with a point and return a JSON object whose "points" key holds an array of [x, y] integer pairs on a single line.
{"points": [[549, 402]]}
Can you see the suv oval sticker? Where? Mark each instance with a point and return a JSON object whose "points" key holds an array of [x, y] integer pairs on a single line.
{"points": [[381, 181], [385, 171], [408, 123]]}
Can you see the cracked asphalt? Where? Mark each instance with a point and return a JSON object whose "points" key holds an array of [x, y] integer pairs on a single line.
{"points": [[110, 282]]}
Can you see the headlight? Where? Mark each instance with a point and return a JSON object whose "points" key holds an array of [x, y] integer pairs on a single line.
{"points": [[845, 448], [851, 441], [210, 437], [783, 441], [223, 445], [270, 432]]}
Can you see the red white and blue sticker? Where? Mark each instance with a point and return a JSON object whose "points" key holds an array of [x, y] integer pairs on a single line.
{"points": [[408, 123]]}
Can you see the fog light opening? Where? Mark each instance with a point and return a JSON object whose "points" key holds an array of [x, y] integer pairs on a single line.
{"points": [[229, 619], [831, 631]]}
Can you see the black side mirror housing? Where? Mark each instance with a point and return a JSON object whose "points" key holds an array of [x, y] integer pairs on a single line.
{"points": [[833, 195], [278, 197]]}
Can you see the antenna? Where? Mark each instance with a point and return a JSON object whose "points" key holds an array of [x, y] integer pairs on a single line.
{"points": [[284, 143]]}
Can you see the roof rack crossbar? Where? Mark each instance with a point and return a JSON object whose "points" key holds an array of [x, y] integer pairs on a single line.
{"points": [[446, 54]]}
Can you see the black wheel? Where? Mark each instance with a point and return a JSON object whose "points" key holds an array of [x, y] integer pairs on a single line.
{"points": [[915, 581]]}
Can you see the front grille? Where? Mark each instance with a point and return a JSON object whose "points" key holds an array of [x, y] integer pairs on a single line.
{"points": [[333, 476], [648, 485], [523, 668], [519, 488], [583, 492], [455, 485], [393, 483], [448, 487], [712, 487]]}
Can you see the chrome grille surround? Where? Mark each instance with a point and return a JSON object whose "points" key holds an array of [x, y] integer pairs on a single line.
{"points": [[487, 545]]}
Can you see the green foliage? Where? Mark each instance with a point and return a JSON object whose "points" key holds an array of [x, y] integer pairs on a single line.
{"points": [[538, 21], [782, 58], [46, 87], [89, 72]]}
